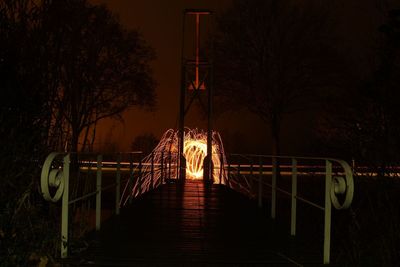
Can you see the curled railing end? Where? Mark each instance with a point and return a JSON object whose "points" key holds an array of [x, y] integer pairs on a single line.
{"points": [[343, 186], [52, 177]]}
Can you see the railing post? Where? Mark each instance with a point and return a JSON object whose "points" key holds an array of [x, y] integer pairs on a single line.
{"points": [[139, 177], [118, 184], [273, 193], [251, 175], [260, 184], [162, 167], [98, 191], [328, 207], [177, 166], [64, 209], [294, 199], [152, 171], [131, 174], [169, 165], [220, 167], [229, 172]]}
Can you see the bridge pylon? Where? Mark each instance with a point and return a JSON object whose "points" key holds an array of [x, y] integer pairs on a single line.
{"points": [[196, 85]]}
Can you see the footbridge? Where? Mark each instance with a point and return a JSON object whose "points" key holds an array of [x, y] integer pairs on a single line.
{"points": [[129, 209]]}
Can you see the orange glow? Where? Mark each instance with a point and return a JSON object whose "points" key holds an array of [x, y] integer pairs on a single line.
{"points": [[163, 161], [195, 150], [197, 84]]}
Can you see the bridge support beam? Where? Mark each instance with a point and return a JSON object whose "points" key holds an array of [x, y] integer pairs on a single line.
{"points": [[194, 88]]}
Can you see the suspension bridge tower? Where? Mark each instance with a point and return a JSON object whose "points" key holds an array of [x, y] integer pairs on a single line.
{"points": [[196, 85]]}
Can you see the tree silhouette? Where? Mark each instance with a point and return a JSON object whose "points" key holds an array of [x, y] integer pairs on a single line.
{"points": [[271, 57], [99, 69], [23, 110], [64, 65], [369, 127]]}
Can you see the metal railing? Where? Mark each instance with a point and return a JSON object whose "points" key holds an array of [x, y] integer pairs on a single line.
{"points": [[250, 173], [57, 175], [153, 170]]}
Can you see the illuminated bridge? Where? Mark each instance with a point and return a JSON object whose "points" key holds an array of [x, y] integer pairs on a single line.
{"points": [[129, 209]]}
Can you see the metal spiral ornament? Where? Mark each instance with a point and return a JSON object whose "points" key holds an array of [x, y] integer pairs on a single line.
{"points": [[342, 186], [53, 177]]}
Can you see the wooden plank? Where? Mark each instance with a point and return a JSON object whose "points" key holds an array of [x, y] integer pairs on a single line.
{"points": [[187, 224]]}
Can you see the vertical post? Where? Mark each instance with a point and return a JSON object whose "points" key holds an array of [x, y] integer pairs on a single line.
{"points": [[238, 172], [98, 191], [197, 50], [177, 167], [130, 173], [118, 184], [260, 184], [328, 206], [169, 165], [273, 193], [182, 104], [294, 199], [152, 171], [251, 175], [209, 127], [229, 172], [139, 177], [64, 209], [162, 167], [220, 167]]}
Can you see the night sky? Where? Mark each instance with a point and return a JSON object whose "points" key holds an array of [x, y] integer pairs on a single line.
{"points": [[60, 76], [160, 22]]}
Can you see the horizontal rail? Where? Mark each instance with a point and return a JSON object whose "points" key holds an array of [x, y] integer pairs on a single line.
{"points": [[309, 202], [338, 181], [290, 194], [111, 166], [83, 197]]}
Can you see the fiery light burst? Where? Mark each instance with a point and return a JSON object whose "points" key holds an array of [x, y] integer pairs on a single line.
{"points": [[195, 150], [162, 163]]}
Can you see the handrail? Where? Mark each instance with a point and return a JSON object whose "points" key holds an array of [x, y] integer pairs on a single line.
{"points": [[55, 176], [338, 183], [148, 173]]}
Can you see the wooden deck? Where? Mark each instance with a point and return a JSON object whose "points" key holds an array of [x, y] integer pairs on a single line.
{"points": [[189, 225]]}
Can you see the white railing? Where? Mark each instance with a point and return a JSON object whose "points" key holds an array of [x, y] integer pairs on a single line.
{"points": [[250, 172], [56, 179], [247, 175]]}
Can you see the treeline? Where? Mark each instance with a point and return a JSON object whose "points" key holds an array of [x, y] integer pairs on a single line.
{"points": [[279, 58]]}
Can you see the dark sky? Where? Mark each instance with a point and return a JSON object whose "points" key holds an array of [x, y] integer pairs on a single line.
{"points": [[160, 22]]}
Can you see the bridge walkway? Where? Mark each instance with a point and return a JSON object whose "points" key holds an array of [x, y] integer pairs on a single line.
{"points": [[191, 225]]}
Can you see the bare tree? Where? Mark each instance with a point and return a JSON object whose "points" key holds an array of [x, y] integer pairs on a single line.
{"points": [[99, 69], [369, 126], [272, 57]]}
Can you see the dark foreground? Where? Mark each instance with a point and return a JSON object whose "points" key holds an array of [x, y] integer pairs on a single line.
{"points": [[193, 225]]}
